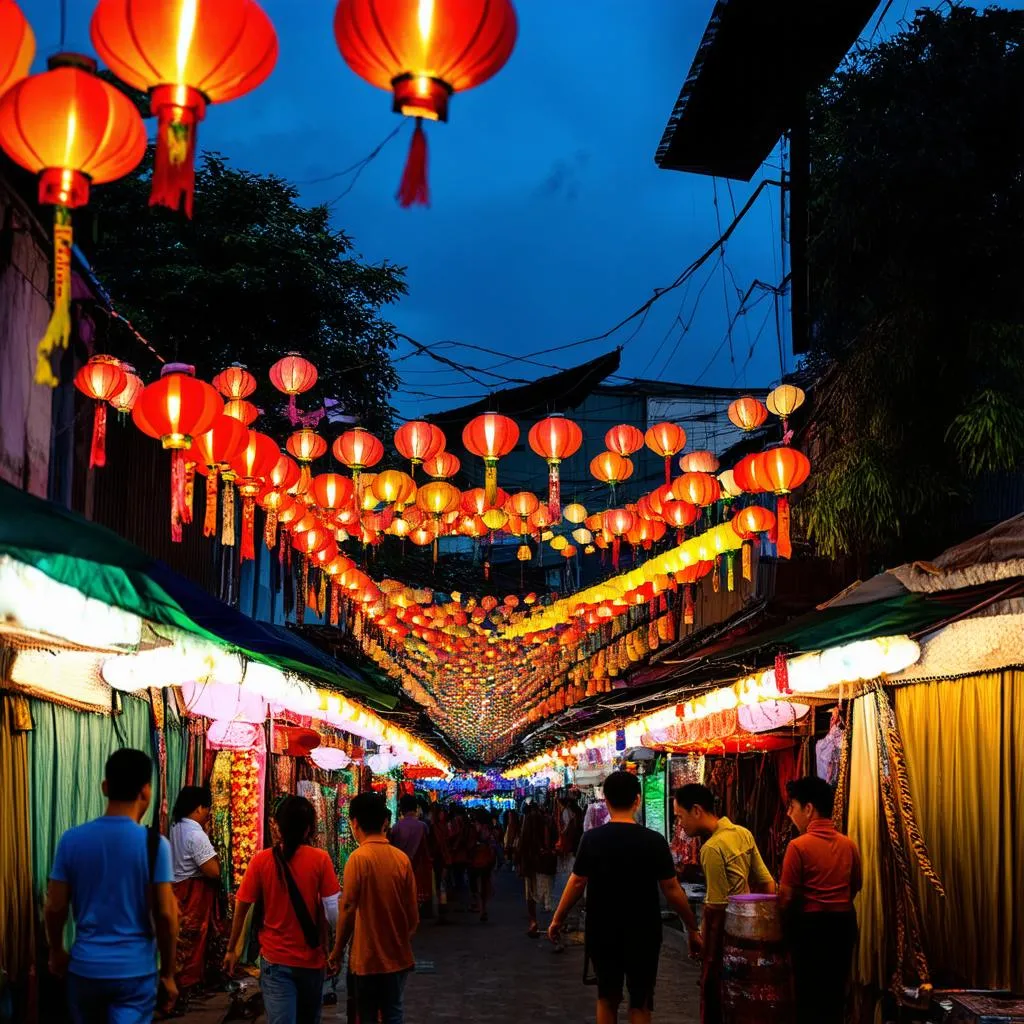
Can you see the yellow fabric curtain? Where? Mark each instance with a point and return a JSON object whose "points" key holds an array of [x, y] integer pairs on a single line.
{"points": [[865, 829], [964, 741], [16, 907]]}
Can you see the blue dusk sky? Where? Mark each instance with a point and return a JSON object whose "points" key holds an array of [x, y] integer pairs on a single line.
{"points": [[549, 220]]}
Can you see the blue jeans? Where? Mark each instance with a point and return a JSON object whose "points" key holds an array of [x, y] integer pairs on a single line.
{"points": [[114, 1001], [291, 995], [381, 994]]}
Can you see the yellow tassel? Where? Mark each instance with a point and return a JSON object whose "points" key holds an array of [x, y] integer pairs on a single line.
{"points": [[748, 558], [227, 521], [58, 330]]}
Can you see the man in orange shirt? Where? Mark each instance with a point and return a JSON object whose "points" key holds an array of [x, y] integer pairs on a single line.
{"points": [[821, 874], [378, 913]]}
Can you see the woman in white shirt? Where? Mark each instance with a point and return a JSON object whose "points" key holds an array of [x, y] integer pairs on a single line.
{"points": [[196, 877]]}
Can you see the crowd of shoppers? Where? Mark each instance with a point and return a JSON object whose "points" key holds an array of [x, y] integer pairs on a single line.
{"points": [[148, 911]]}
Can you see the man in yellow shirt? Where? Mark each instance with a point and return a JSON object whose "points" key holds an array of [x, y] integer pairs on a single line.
{"points": [[732, 866]]}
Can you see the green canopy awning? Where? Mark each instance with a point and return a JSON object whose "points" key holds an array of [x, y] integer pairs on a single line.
{"points": [[102, 565]]}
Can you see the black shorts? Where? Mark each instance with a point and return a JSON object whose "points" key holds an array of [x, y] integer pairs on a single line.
{"points": [[637, 967]]}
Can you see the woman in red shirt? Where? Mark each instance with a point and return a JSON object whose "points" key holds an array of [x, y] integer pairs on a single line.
{"points": [[295, 889]]}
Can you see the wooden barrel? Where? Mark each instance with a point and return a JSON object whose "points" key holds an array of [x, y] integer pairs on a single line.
{"points": [[757, 985]]}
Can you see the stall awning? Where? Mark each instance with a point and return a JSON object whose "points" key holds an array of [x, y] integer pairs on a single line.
{"points": [[104, 566]]}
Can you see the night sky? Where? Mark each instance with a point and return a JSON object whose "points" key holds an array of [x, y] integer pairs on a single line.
{"points": [[549, 220]]}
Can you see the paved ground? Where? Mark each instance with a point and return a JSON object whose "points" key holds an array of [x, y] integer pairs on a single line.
{"points": [[492, 973]]}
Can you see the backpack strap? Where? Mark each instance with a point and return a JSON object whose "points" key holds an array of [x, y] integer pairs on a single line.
{"points": [[310, 932]]}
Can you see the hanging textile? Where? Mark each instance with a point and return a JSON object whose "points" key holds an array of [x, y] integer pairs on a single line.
{"points": [[220, 830], [314, 794], [67, 754], [964, 746], [176, 739], [246, 809], [17, 915], [330, 797]]}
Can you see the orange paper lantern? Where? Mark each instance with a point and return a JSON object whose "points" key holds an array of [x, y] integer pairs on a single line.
{"points": [[73, 130], [666, 440], [185, 54], [17, 45], [101, 379], [241, 410], [611, 468], [236, 382], [418, 441], [442, 465], [784, 469], [293, 376], [124, 401], [699, 489], [747, 413], [699, 462], [422, 53], [624, 440], [213, 452]]}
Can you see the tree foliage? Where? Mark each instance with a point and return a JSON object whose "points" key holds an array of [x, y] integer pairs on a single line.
{"points": [[253, 276], [916, 262]]}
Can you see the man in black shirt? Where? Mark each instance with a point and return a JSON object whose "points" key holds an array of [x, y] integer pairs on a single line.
{"points": [[621, 866]]}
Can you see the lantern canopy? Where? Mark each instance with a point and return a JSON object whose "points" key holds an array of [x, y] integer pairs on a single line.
{"points": [[186, 54], [17, 45], [73, 130], [555, 439], [102, 379], [422, 53]]}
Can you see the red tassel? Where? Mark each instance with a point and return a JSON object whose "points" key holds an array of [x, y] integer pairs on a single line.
{"points": [[98, 451], [248, 527], [334, 604], [783, 545], [616, 551], [177, 493], [554, 492], [668, 469], [190, 492], [688, 608], [174, 174], [413, 190], [781, 674], [270, 529], [210, 515]]}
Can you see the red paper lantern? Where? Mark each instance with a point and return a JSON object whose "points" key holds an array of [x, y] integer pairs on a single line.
{"points": [[611, 468], [241, 410], [617, 522], [490, 436], [293, 376], [753, 519], [522, 503], [213, 452], [422, 53], [17, 45], [474, 501], [418, 441], [176, 408], [442, 465], [555, 439], [666, 440], [679, 515], [73, 130], [624, 440], [257, 461], [185, 54], [285, 475], [747, 413], [332, 491], [358, 449], [101, 379], [236, 382]]}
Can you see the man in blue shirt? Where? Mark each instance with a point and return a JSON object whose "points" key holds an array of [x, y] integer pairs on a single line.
{"points": [[118, 885]]}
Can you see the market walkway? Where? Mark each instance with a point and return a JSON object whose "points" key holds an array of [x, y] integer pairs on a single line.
{"points": [[472, 973]]}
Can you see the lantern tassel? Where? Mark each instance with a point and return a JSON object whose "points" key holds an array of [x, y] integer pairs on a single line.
{"points": [[305, 477], [413, 190], [58, 330], [227, 522], [177, 493], [98, 449], [190, 492], [210, 514], [174, 174], [783, 546], [688, 606], [248, 527], [270, 529], [300, 603], [334, 604], [616, 551], [554, 491], [491, 481], [748, 568], [293, 410], [668, 469], [730, 561]]}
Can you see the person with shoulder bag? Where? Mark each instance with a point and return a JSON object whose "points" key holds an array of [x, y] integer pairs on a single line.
{"points": [[294, 889]]}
